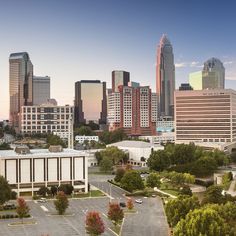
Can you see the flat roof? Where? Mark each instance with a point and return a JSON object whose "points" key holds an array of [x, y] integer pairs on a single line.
{"points": [[132, 144], [37, 153]]}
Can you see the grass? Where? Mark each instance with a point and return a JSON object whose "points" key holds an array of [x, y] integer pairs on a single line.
{"points": [[92, 193], [171, 191], [116, 228], [23, 223], [129, 211], [169, 188]]}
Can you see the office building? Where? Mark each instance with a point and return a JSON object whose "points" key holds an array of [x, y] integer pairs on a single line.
{"points": [[133, 110], [28, 170], [90, 102], [195, 80], [213, 74], [205, 116], [165, 77], [41, 89], [47, 118], [20, 85], [119, 77]]}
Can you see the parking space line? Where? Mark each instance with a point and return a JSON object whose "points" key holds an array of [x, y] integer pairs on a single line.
{"points": [[44, 208]]}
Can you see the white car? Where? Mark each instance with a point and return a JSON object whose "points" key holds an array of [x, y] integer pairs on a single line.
{"points": [[139, 201], [42, 199]]}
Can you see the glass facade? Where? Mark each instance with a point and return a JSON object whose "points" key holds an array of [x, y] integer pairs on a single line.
{"points": [[195, 80]]}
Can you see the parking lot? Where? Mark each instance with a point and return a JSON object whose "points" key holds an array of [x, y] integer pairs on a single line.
{"points": [[73, 223]]}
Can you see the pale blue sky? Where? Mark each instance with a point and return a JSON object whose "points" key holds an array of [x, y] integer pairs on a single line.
{"points": [[71, 40]]}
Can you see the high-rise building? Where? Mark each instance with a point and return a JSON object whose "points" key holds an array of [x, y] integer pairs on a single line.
{"points": [[47, 118], [119, 77], [20, 85], [41, 89], [205, 116], [165, 77], [90, 102], [213, 74], [195, 80], [134, 110]]}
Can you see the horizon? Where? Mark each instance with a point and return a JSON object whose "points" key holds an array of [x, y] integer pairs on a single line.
{"points": [[88, 40]]}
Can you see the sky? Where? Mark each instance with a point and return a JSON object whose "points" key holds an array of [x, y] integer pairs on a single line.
{"points": [[72, 40]]}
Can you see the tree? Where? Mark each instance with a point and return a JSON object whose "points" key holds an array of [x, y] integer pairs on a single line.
{"points": [[185, 190], [66, 188], [22, 209], [213, 194], [115, 154], [55, 140], [201, 222], [5, 146], [119, 174], [130, 204], [84, 130], [108, 137], [153, 180], [132, 181], [158, 160], [54, 190], [94, 223], [106, 164], [43, 191], [115, 213], [177, 209], [61, 203], [5, 190]]}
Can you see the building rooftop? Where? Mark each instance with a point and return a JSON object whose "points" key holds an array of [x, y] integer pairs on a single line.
{"points": [[132, 144], [41, 153]]}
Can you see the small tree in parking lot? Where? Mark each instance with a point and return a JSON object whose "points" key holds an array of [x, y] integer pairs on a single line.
{"points": [[130, 204], [94, 223], [115, 213], [61, 203], [22, 209]]}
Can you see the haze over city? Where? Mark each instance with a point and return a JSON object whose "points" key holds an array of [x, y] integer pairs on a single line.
{"points": [[77, 40]]}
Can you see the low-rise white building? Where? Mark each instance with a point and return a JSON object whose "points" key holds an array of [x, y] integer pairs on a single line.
{"points": [[28, 170], [137, 150], [82, 138]]}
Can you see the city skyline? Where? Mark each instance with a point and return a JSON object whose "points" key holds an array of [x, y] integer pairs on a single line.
{"points": [[88, 40]]}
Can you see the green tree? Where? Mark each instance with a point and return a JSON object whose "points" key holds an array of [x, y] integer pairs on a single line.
{"points": [[119, 174], [201, 222], [5, 190], [177, 209], [22, 209], [158, 160], [108, 137], [132, 181], [153, 180], [84, 130], [5, 146], [185, 190], [66, 188], [55, 140], [106, 164], [53, 190], [61, 203], [213, 194], [43, 191], [94, 223], [115, 213]]}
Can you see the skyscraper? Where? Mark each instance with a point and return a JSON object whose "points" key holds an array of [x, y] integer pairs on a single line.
{"points": [[90, 102], [119, 77], [20, 85], [165, 77], [213, 74], [195, 80], [41, 89]]}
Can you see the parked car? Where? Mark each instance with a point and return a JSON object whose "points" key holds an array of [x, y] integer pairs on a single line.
{"points": [[139, 201], [42, 200], [9, 206], [122, 204]]}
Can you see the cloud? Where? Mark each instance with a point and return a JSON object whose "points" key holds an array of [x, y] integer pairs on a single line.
{"points": [[193, 64], [228, 62]]}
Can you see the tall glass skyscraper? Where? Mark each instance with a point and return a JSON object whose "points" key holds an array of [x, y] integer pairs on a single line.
{"points": [[213, 74], [165, 78], [20, 85]]}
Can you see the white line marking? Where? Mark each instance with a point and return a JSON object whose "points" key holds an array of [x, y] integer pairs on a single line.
{"points": [[44, 208]]}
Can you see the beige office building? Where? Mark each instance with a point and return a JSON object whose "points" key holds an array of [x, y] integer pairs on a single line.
{"points": [[205, 116]]}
